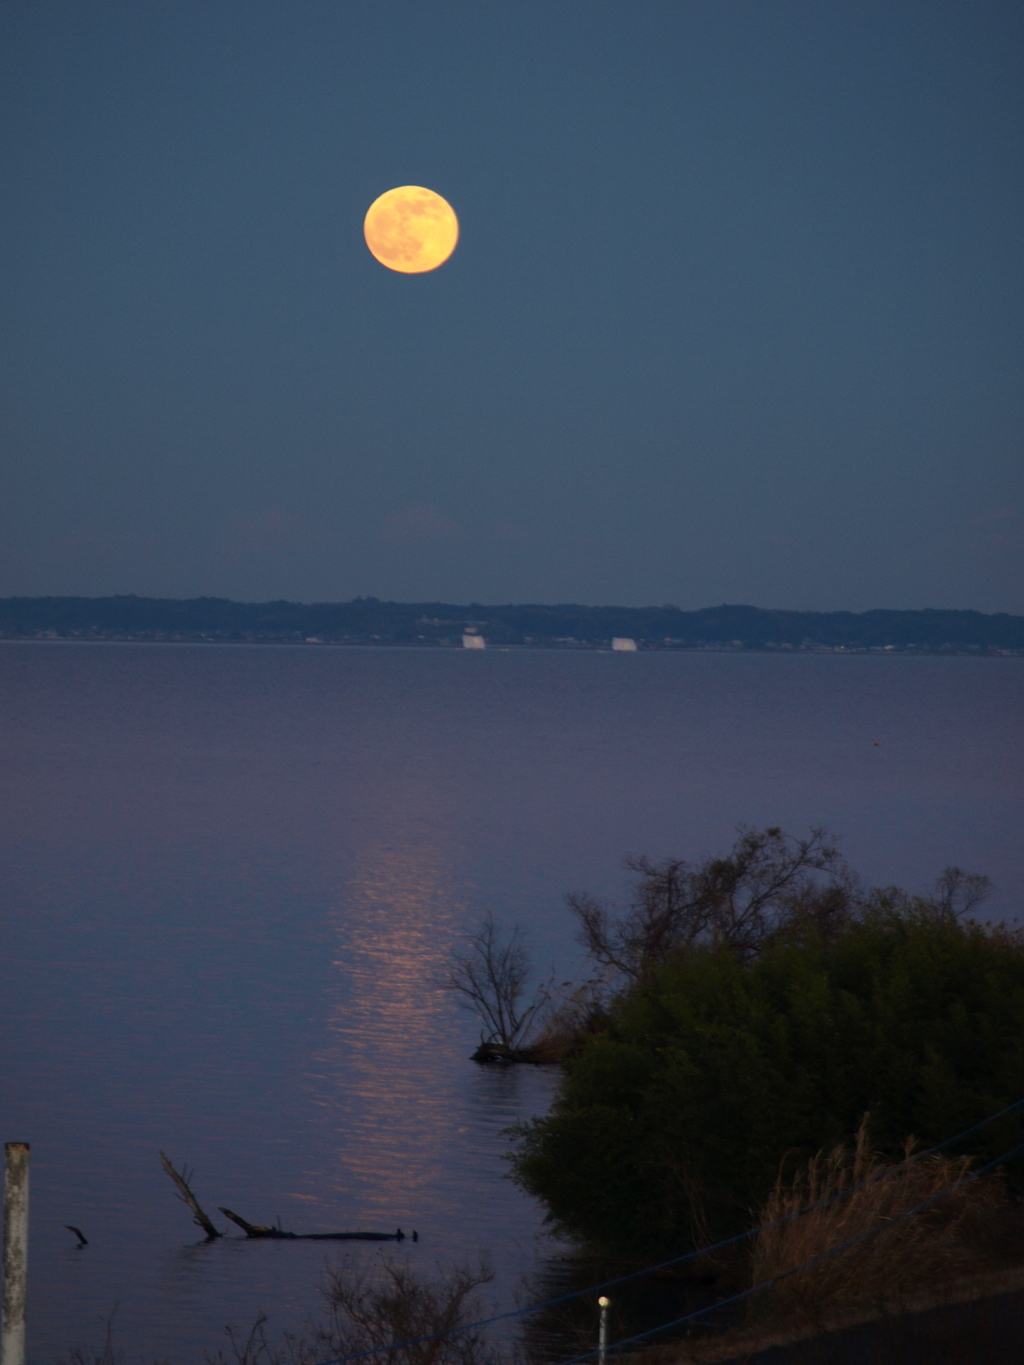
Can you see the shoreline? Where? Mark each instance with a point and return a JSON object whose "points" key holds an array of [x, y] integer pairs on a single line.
{"points": [[555, 647]]}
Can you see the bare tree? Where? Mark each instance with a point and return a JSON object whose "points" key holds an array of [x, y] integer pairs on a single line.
{"points": [[491, 976], [381, 1309], [955, 894], [372, 1308], [767, 885]]}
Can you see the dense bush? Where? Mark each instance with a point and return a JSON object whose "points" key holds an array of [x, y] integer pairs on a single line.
{"points": [[714, 1070]]}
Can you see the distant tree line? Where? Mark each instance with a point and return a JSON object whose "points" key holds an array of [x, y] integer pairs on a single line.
{"points": [[365, 620]]}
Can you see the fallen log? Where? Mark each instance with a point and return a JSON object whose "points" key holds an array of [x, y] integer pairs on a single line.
{"points": [[253, 1229], [257, 1230], [181, 1180], [397, 1236]]}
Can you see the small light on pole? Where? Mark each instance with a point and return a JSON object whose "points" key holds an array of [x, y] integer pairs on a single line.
{"points": [[602, 1331]]}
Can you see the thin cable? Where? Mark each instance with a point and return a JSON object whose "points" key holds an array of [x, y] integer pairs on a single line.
{"points": [[815, 1260], [679, 1260]]}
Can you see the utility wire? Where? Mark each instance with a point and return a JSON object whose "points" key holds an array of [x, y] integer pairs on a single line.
{"points": [[702, 1251]]}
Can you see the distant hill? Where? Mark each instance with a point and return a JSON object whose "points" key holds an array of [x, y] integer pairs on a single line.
{"points": [[365, 620]]}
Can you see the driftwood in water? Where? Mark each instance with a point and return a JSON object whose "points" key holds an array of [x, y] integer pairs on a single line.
{"points": [[255, 1230], [181, 1179], [252, 1229], [397, 1236]]}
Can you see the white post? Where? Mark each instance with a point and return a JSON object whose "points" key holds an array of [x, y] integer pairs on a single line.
{"points": [[12, 1342], [602, 1331]]}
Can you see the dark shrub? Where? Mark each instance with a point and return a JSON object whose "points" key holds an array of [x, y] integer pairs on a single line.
{"points": [[713, 1072]]}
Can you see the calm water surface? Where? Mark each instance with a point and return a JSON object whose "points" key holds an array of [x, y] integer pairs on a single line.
{"points": [[231, 876]]}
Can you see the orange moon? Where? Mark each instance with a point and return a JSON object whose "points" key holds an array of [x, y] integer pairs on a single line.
{"points": [[411, 229]]}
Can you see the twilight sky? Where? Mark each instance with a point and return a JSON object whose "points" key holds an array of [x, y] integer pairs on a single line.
{"points": [[735, 314]]}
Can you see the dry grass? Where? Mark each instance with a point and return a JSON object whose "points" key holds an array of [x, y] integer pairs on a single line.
{"points": [[957, 1235], [574, 1013]]}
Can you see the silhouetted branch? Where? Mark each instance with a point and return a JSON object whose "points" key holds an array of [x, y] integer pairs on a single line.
{"points": [[491, 977], [258, 1230], [181, 1180], [769, 884]]}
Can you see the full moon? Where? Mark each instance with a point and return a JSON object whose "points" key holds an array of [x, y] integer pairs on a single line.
{"points": [[411, 229]]}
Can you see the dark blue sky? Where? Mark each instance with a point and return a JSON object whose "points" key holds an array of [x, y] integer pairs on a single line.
{"points": [[735, 314]]}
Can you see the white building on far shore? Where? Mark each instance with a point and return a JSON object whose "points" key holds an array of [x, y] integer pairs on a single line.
{"points": [[473, 641], [623, 644]]}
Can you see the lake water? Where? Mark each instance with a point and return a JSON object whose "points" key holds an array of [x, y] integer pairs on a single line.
{"points": [[232, 875]]}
